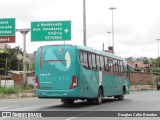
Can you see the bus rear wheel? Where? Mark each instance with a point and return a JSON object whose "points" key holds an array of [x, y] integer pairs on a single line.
{"points": [[99, 98], [121, 97]]}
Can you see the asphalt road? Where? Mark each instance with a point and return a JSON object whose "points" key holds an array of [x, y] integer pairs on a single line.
{"points": [[136, 104]]}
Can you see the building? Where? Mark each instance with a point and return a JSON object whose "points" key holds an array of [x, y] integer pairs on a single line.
{"points": [[139, 66], [3, 47]]}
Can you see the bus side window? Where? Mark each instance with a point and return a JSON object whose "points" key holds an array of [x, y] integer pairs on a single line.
{"points": [[121, 67], [117, 66], [81, 58], [94, 61], [106, 63], [90, 60], [98, 62], [110, 61], [114, 65], [85, 57], [102, 62]]}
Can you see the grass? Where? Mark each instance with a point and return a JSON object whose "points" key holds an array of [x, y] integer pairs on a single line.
{"points": [[9, 90]]}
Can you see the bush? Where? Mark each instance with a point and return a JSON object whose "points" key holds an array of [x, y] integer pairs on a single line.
{"points": [[156, 70], [11, 90], [30, 87], [2, 89]]}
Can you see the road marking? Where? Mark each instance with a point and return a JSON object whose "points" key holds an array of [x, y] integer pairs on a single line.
{"points": [[8, 107], [71, 118], [136, 100], [78, 115]]}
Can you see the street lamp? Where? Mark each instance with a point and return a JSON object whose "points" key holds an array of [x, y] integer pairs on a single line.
{"points": [[112, 8], [108, 37], [24, 33]]}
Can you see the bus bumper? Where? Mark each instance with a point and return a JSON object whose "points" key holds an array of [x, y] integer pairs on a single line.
{"points": [[74, 93]]}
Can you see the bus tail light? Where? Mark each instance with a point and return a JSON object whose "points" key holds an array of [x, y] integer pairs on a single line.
{"points": [[74, 83], [37, 83]]}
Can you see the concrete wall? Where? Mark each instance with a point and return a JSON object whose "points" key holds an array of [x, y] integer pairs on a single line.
{"points": [[142, 79], [136, 79]]}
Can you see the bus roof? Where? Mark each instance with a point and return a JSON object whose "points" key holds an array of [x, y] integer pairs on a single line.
{"points": [[100, 52], [90, 50]]}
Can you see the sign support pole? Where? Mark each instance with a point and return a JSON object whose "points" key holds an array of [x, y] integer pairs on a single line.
{"points": [[24, 33]]}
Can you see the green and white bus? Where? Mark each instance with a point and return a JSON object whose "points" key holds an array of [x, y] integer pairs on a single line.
{"points": [[71, 72]]}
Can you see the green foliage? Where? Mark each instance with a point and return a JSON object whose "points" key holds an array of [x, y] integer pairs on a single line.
{"points": [[146, 62], [156, 70], [13, 63], [30, 87], [9, 90], [2, 89], [33, 66]]}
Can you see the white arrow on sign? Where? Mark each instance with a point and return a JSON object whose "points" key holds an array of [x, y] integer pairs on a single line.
{"points": [[66, 30]]}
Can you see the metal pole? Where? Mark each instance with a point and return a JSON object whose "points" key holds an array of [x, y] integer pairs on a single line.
{"points": [[108, 38], [24, 32], [6, 72], [158, 53], [84, 23], [103, 46], [158, 47], [112, 8]]}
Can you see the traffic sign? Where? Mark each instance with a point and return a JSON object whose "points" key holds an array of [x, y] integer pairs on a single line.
{"points": [[51, 31], [7, 30]]}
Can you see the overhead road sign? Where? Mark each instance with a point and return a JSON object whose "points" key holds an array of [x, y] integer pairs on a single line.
{"points": [[7, 30], [51, 31]]}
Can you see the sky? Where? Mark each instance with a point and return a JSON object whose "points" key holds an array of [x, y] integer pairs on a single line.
{"points": [[136, 23]]}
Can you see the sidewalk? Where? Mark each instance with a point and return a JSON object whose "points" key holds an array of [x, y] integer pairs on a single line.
{"points": [[24, 94], [143, 87]]}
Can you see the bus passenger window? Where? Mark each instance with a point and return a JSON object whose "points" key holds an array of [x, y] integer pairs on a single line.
{"points": [[90, 61], [102, 62], [106, 64], [85, 59], [121, 67], [81, 58], [110, 65], [94, 61], [98, 63], [116, 66]]}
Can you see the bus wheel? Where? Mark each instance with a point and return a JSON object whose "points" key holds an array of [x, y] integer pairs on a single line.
{"points": [[121, 97], [98, 100], [67, 101]]}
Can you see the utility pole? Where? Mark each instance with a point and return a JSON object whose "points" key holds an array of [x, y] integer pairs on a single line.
{"points": [[84, 23], [24, 33]]}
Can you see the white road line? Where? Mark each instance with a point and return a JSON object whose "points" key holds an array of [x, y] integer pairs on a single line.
{"points": [[8, 107], [71, 118], [78, 115], [136, 100]]}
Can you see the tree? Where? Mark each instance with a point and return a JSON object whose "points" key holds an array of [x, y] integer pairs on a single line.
{"points": [[13, 61]]}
